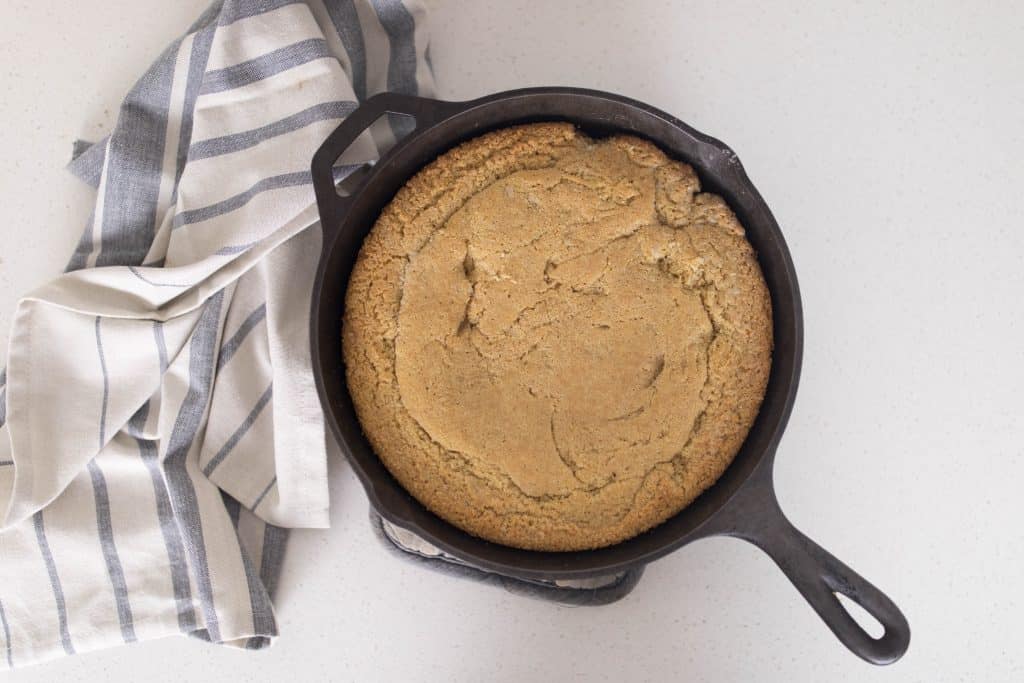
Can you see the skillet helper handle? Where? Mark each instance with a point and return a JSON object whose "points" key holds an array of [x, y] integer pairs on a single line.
{"points": [[755, 516], [426, 112]]}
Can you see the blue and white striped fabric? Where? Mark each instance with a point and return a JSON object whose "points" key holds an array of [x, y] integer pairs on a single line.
{"points": [[159, 426]]}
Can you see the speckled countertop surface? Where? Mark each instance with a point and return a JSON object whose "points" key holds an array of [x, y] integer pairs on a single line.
{"points": [[887, 140]]}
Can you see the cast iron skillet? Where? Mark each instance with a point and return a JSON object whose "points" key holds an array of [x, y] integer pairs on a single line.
{"points": [[741, 504]]}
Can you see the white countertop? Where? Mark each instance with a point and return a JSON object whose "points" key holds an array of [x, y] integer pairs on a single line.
{"points": [[887, 139]]}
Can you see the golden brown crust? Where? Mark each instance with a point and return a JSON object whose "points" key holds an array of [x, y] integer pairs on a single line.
{"points": [[556, 343]]}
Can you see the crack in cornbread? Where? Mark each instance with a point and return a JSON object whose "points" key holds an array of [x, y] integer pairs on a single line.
{"points": [[553, 342]]}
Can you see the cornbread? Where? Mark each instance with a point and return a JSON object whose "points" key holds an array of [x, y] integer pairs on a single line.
{"points": [[555, 342]]}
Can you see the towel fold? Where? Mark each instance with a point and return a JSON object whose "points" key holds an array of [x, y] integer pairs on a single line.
{"points": [[159, 424]]}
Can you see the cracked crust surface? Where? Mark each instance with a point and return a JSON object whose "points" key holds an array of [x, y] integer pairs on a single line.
{"points": [[556, 343]]}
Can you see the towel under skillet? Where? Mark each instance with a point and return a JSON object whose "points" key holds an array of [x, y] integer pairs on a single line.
{"points": [[159, 426]]}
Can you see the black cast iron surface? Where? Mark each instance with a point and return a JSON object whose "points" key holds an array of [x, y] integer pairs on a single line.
{"points": [[594, 592], [741, 504]]}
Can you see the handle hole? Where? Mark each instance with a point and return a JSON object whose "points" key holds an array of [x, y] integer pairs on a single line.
{"points": [[348, 177], [354, 162], [401, 124], [864, 619]]}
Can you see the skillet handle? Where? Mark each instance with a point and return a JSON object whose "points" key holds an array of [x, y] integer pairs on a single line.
{"points": [[426, 112], [755, 516]]}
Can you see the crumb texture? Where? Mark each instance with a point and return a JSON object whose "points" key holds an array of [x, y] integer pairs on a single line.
{"points": [[553, 342]]}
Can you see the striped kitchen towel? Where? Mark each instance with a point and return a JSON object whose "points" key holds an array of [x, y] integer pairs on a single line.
{"points": [[159, 425]]}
